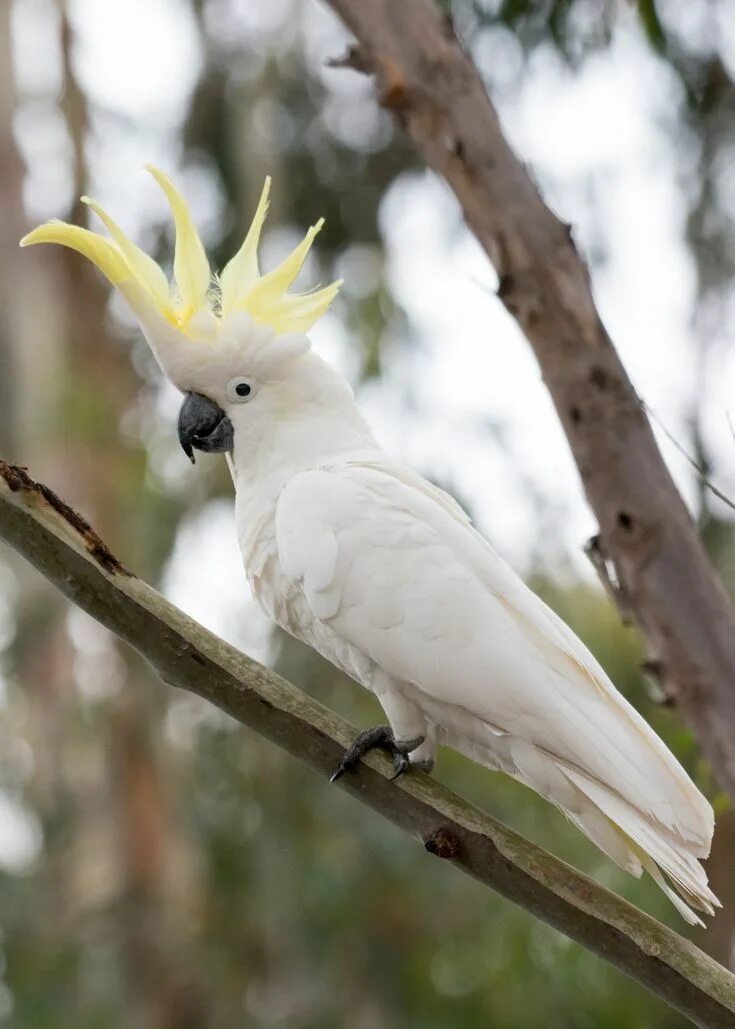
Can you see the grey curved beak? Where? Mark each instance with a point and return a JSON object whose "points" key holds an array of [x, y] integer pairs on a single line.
{"points": [[203, 425]]}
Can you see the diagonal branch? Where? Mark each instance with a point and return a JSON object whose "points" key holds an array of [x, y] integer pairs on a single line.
{"points": [[429, 82], [64, 548]]}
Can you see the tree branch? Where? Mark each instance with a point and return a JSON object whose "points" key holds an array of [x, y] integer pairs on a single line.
{"points": [[64, 548], [436, 92]]}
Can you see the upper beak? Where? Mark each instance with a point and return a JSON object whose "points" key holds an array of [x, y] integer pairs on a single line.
{"points": [[203, 425]]}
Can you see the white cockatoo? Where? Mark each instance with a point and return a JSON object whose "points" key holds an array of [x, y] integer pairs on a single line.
{"points": [[382, 572]]}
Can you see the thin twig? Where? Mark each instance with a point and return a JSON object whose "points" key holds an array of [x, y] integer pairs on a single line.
{"points": [[700, 471], [606, 574]]}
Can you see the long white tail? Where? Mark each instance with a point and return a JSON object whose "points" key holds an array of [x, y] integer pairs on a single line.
{"points": [[640, 843], [633, 839]]}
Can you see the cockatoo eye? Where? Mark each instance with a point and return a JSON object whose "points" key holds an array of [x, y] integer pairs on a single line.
{"points": [[241, 389]]}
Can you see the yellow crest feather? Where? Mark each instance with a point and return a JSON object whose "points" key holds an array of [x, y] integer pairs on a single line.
{"points": [[241, 287]]}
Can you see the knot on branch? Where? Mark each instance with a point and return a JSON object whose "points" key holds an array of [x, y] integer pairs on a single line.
{"points": [[354, 57], [395, 92], [520, 291], [443, 844], [635, 537]]}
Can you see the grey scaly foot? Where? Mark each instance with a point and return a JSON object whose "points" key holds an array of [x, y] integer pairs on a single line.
{"points": [[379, 736]]}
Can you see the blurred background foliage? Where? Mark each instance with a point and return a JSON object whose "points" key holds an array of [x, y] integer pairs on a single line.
{"points": [[161, 866]]}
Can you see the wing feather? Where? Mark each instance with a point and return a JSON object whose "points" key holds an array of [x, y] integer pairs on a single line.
{"points": [[396, 569]]}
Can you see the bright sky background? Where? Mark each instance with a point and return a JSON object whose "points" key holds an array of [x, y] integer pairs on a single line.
{"points": [[466, 405]]}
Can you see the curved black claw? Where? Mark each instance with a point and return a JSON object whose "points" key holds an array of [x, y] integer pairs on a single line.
{"points": [[378, 736], [400, 763]]}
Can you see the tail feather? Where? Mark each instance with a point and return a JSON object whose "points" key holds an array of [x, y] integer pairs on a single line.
{"points": [[606, 835], [656, 847], [634, 839], [684, 910]]}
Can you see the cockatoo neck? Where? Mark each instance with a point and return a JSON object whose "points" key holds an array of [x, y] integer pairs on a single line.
{"points": [[307, 420]]}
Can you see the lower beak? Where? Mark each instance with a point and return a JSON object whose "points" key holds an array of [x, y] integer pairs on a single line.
{"points": [[203, 425]]}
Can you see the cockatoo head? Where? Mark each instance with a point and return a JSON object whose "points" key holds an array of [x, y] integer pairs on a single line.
{"points": [[219, 339]]}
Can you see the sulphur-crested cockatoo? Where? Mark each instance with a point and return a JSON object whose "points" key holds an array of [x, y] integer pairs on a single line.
{"points": [[383, 573]]}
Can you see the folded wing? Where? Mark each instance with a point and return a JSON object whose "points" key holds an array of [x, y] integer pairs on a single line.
{"points": [[392, 568]]}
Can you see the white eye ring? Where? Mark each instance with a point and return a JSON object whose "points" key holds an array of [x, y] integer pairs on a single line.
{"points": [[241, 389]]}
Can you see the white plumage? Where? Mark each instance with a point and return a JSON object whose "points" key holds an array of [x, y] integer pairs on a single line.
{"points": [[381, 572], [384, 575]]}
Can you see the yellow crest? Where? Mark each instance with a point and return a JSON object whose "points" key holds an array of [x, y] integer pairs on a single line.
{"points": [[239, 287]]}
